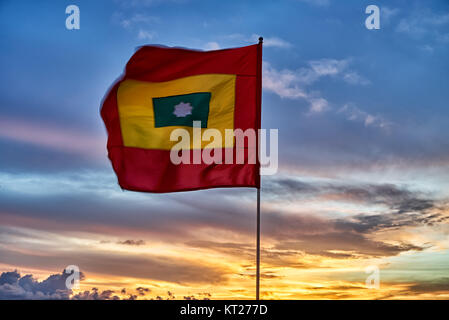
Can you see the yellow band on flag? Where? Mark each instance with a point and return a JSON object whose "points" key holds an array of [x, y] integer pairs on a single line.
{"points": [[136, 109]]}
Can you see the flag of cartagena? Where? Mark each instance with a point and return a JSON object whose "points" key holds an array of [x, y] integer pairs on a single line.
{"points": [[164, 89]]}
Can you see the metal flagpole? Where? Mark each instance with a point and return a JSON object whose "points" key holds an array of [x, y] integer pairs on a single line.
{"points": [[258, 245], [259, 101]]}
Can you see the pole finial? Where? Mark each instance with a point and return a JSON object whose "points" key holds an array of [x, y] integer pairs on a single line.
{"points": [[260, 39]]}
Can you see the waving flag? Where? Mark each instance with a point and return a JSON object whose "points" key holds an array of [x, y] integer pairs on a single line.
{"points": [[164, 89]]}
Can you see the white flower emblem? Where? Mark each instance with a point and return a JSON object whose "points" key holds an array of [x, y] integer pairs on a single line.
{"points": [[183, 109]]}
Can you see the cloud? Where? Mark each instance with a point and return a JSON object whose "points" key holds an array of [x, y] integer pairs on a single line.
{"points": [[406, 26], [352, 236], [294, 84], [387, 13], [284, 83], [133, 20], [288, 232], [95, 294], [200, 296], [354, 78], [268, 42], [132, 242], [327, 237], [126, 294], [437, 288], [145, 35], [438, 285], [137, 22], [211, 46], [353, 113], [291, 85], [325, 67], [274, 42], [15, 287], [425, 24], [344, 245], [392, 221], [143, 291], [425, 18], [396, 198], [292, 236], [316, 70], [118, 263], [271, 256], [318, 105], [53, 137]]}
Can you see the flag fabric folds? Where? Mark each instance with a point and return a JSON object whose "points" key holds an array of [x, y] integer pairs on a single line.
{"points": [[163, 89]]}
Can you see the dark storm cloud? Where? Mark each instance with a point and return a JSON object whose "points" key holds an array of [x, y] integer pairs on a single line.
{"points": [[390, 221], [297, 233], [285, 186], [355, 244], [294, 235], [319, 236], [395, 197]]}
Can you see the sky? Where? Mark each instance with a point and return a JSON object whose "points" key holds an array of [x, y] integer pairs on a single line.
{"points": [[363, 176]]}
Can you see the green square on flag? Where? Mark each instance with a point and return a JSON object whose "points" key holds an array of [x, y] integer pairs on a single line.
{"points": [[181, 110]]}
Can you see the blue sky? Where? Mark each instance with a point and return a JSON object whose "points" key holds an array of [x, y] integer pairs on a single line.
{"points": [[363, 140]]}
